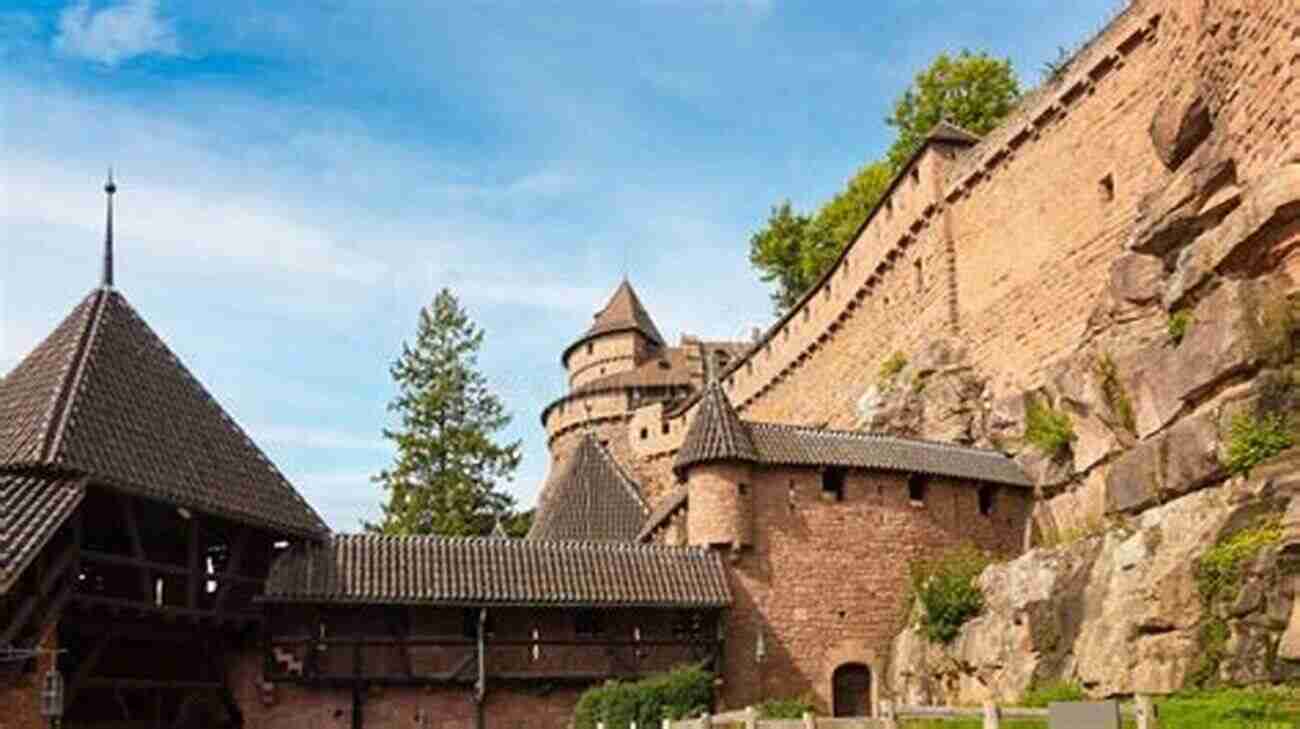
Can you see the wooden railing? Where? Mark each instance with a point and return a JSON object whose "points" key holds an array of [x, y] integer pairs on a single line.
{"points": [[423, 660]]}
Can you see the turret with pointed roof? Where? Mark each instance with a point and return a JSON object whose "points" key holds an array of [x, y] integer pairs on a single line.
{"points": [[622, 313]]}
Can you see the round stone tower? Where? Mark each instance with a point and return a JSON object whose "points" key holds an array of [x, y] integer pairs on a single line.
{"points": [[716, 461]]}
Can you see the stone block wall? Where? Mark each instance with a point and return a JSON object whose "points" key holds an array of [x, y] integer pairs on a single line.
{"points": [[825, 580]]}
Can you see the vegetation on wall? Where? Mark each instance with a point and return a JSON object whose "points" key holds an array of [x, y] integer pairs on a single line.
{"points": [[677, 694], [1113, 390], [1047, 429], [1180, 322], [946, 592], [1255, 438], [793, 249], [790, 708], [1220, 573], [892, 366]]}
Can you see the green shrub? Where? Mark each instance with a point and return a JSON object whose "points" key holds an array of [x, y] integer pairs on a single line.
{"points": [[785, 708], [1113, 390], [893, 365], [947, 593], [1220, 570], [1040, 696], [1180, 322], [680, 693], [1212, 638], [1048, 430], [1253, 439]]}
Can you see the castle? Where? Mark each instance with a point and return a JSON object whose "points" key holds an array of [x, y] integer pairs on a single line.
{"points": [[749, 505]]}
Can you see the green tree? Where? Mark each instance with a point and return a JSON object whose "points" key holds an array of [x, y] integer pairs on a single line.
{"points": [[792, 250], [972, 90], [443, 477]]}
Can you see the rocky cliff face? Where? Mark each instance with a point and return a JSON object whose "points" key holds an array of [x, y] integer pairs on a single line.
{"points": [[1187, 366], [1138, 608]]}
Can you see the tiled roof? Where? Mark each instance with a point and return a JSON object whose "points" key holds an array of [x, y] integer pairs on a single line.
{"points": [[105, 397], [32, 507], [590, 500], [622, 313], [674, 500], [797, 446], [367, 568], [716, 433], [946, 131]]}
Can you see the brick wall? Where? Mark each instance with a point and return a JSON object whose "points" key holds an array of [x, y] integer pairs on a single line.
{"points": [[20, 689], [825, 580]]}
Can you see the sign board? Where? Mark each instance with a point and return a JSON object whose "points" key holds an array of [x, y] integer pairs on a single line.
{"points": [[1083, 715]]}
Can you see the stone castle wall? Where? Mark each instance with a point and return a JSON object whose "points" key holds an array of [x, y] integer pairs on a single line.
{"points": [[824, 580]]}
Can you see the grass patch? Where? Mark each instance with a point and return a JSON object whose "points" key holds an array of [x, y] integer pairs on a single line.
{"points": [[1047, 429], [892, 365], [1039, 697], [946, 591], [1113, 390], [1180, 322], [1253, 439], [1237, 708]]}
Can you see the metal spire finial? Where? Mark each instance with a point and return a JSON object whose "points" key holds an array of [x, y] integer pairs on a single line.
{"points": [[109, 188]]}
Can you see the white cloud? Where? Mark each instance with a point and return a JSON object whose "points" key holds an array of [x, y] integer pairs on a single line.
{"points": [[115, 33]]}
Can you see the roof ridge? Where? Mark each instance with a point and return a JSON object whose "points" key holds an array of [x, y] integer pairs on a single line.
{"points": [[72, 379]]}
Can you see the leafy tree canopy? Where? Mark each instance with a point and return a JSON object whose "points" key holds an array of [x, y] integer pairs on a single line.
{"points": [[793, 249], [443, 477]]}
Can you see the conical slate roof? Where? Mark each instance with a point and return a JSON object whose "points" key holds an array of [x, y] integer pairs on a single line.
{"points": [[103, 396], [591, 500], [716, 433], [622, 313]]}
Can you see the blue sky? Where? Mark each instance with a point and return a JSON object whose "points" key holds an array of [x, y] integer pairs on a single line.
{"points": [[296, 179]]}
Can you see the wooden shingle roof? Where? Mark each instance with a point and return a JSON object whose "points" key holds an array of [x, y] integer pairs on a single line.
{"points": [[590, 500], [717, 433], [104, 397], [376, 569]]}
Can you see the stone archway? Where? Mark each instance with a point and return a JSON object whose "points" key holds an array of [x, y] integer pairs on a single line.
{"points": [[851, 690]]}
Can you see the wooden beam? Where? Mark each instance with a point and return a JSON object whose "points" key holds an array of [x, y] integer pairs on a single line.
{"points": [[120, 605], [196, 576], [231, 571], [137, 546], [51, 577], [88, 664], [153, 684]]}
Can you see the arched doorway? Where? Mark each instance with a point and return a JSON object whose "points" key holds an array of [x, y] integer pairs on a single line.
{"points": [[851, 687]]}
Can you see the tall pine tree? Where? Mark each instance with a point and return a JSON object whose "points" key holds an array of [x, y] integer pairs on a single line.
{"points": [[443, 479]]}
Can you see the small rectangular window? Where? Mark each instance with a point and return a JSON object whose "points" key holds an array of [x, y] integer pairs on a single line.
{"points": [[987, 500], [645, 433], [587, 624], [833, 483], [665, 428], [917, 486], [1107, 188], [742, 488]]}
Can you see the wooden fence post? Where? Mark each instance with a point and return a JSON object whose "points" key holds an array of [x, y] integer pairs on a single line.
{"points": [[751, 718], [990, 715], [1145, 712], [600, 725], [706, 721], [808, 721], [632, 725], [667, 724], [887, 716]]}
